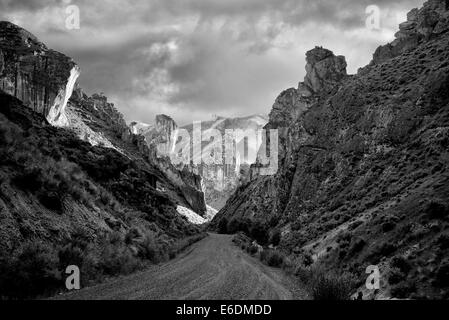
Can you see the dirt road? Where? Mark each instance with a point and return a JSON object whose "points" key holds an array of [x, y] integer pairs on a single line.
{"points": [[213, 268]]}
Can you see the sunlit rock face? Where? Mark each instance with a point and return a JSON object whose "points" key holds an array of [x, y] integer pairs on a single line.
{"points": [[159, 136], [324, 70], [41, 78], [221, 179], [157, 140], [217, 181]]}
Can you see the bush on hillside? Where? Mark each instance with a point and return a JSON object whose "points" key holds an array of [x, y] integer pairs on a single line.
{"points": [[272, 258], [29, 271], [259, 232], [329, 286], [223, 226], [275, 238]]}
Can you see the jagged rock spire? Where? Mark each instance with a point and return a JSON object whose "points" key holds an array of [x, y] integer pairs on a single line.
{"points": [[324, 71]]}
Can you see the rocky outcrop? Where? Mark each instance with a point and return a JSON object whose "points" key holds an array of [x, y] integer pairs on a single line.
{"points": [[41, 78], [324, 71], [423, 24], [363, 177]]}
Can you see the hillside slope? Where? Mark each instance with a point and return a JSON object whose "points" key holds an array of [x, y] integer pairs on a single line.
{"points": [[363, 164], [76, 186]]}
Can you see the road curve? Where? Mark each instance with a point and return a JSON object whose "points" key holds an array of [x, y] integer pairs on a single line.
{"points": [[212, 269]]}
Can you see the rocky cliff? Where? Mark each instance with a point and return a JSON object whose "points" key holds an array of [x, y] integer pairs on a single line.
{"points": [[363, 177], [221, 180], [217, 181], [40, 77], [158, 141]]}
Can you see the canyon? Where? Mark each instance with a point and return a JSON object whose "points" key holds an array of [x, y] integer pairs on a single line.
{"points": [[362, 180]]}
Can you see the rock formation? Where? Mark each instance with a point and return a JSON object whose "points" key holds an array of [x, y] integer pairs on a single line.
{"points": [[324, 71], [430, 21], [221, 180], [40, 77]]}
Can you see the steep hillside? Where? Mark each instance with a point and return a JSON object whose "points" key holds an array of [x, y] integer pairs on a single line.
{"points": [[76, 185], [363, 173]]}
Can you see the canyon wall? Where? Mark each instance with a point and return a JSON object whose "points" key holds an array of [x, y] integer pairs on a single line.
{"points": [[363, 174]]}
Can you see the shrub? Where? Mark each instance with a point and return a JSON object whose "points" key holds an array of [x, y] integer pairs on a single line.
{"points": [[258, 232], [437, 210], [116, 259], [30, 179], [384, 250], [403, 290], [52, 200], [275, 238], [223, 226], [234, 226], [272, 258], [396, 276], [28, 272], [401, 263], [307, 259], [443, 241], [388, 226], [328, 286], [252, 249], [149, 249], [442, 276], [303, 273], [357, 246], [83, 256]]}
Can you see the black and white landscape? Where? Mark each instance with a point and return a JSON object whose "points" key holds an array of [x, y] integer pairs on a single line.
{"points": [[142, 156]]}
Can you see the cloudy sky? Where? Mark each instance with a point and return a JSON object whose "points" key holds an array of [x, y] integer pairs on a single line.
{"points": [[192, 59]]}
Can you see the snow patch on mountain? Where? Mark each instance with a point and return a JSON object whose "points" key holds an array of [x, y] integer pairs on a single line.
{"points": [[191, 216], [211, 213]]}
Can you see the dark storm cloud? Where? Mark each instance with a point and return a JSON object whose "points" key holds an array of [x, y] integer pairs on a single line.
{"points": [[193, 58], [26, 4]]}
